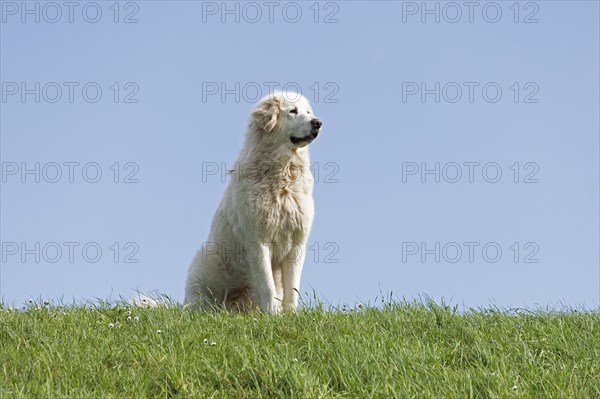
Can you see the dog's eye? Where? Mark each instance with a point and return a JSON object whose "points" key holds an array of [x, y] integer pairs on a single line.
{"points": [[294, 111]]}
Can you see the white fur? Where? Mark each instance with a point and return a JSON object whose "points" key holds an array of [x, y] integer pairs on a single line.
{"points": [[255, 250]]}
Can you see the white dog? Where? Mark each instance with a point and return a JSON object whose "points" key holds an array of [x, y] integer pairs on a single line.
{"points": [[255, 251]]}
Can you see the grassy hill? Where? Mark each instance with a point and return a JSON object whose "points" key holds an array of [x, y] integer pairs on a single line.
{"points": [[403, 350]]}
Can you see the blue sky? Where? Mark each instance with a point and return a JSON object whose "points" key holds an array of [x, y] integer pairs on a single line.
{"points": [[459, 157]]}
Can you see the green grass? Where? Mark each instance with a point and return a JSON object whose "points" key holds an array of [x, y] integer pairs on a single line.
{"points": [[404, 350]]}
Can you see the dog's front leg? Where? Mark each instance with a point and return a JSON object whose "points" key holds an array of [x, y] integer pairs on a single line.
{"points": [[291, 273], [262, 276]]}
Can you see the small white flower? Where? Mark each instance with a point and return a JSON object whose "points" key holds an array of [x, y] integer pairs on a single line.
{"points": [[205, 341], [360, 305], [128, 313], [514, 388], [128, 318], [110, 325], [213, 344], [136, 319], [158, 331]]}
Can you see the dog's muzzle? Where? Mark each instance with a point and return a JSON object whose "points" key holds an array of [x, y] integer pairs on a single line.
{"points": [[315, 125], [306, 139]]}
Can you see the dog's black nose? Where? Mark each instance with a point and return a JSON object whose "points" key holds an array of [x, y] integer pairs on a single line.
{"points": [[316, 124]]}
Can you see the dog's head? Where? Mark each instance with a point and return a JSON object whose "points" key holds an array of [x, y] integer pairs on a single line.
{"points": [[287, 118]]}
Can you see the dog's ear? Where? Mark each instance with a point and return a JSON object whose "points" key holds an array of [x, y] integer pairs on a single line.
{"points": [[266, 115]]}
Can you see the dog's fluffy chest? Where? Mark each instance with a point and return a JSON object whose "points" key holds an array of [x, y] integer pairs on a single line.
{"points": [[285, 204]]}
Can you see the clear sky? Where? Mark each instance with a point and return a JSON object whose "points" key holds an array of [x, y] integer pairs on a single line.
{"points": [[459, 156]]}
